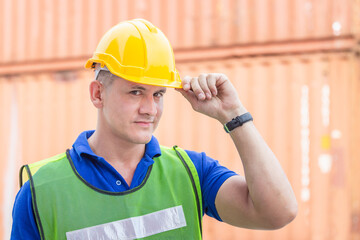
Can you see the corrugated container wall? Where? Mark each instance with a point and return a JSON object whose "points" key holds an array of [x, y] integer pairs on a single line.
{"points": [[294, 63], [48, 30], [305, 106]]}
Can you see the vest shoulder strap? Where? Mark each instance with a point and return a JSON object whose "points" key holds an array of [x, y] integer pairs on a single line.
{"points": [[193, 174], [26, 171]]}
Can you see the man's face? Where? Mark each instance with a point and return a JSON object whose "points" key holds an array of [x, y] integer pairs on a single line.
{"points": [[131, 111]]}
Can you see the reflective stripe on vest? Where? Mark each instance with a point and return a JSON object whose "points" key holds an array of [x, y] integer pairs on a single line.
{"points": [[135, 227], [65, 203]]}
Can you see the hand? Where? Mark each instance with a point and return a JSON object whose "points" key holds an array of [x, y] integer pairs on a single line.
{"points": [[213, 95]]}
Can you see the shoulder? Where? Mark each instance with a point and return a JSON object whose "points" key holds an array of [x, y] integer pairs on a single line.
{"points": [[24, 225], [29, 170], [210, 170], [205, 164]]}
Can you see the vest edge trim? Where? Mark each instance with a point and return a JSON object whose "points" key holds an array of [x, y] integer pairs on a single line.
{"points": [[33, 194], [193, 185]]}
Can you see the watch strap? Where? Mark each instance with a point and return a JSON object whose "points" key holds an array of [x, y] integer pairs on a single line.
{"points": [[237, 122]]}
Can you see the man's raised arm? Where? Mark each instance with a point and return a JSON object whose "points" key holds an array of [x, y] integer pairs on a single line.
{"points": [[263, 198]]}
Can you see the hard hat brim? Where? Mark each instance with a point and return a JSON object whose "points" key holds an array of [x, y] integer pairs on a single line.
{"points": [[175, 82]]}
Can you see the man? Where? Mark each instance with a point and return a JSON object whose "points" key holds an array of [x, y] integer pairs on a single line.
{"points": [[117, 182]]}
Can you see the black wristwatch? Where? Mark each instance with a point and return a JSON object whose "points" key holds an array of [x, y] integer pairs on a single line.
{"points": [[237, 122]]}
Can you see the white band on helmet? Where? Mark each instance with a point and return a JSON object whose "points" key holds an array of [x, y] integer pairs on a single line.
{"points": [[98, 68]]}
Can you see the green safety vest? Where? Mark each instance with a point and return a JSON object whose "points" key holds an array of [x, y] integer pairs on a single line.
{"points": [[166, 205]]}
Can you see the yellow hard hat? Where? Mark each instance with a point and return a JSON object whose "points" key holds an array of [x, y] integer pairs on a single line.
{"points": [[137, 51]]}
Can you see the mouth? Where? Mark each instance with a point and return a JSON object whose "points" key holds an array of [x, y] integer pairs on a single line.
{"points": [[144, 123]]}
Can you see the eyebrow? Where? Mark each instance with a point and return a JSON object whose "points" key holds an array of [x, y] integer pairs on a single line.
{"points": [[139, 87]]}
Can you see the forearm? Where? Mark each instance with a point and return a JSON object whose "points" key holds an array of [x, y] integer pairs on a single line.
{"points": [[270, 192]]}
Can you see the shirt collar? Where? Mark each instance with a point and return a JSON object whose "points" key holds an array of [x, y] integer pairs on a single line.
{"points": [[152, 148], [81, 146]]}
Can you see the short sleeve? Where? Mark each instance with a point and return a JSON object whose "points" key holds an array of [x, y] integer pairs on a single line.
{"points": [[24, 225], [212, 175]]}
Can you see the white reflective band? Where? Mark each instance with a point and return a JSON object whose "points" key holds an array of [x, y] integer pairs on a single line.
{"points": [[98, 68], [135, 227]]}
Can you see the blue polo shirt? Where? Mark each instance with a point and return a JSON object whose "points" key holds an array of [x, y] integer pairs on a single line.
{"points": [[98, 172]]}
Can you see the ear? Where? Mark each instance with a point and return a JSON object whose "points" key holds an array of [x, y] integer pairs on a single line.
{"points": [[96, 89]]}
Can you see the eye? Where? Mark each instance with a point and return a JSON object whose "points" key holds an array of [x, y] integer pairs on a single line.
{"points": [[135, 92], [158, 94]]}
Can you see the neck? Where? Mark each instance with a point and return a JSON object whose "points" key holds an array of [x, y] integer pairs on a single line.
{"points": [[115, 150]]}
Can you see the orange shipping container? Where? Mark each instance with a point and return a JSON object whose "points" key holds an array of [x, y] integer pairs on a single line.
{"points": [[47, 30], [305, 106]]}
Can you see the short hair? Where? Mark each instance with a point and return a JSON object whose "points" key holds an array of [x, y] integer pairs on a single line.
{"points": [[105, 77]]}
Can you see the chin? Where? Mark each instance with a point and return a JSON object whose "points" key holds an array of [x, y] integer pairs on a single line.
{"points": [[143, 139], [141, 136]]}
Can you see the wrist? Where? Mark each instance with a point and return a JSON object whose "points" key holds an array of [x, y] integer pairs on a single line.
{"points": [[229, 115], [237, 122]]}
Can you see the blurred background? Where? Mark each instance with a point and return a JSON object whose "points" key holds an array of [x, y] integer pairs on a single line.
{"points": [[295, 64]]}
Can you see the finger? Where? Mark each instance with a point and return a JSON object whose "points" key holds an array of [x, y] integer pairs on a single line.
{"points": [[185, 82], [195, 86], [211, 82], [204, 85], [223, 78]]}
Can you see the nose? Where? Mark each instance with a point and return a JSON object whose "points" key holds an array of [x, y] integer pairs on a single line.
{"points": [[148, 106]]}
